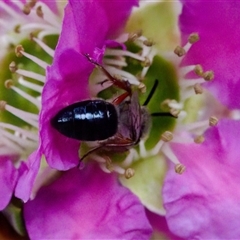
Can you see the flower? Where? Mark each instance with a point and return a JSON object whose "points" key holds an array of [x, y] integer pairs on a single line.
{"points": [[70, 69], [207, 194], [89, 192]]}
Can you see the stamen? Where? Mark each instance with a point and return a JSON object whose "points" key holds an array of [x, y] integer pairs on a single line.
{"points": [[131, 78], [135, 35], [193, 37], [213, 121], [179, 51], [28, 134], [26, 9], [28, 117], [167, 136], [20, 51], [45, 47], [13, 67], [198, 88], [146, 62], [33, 75], [157, 148], [129, 173], [118, 169], [10, 143], [104, 168], [30, 85], [142, 149], [19, 4], [38, 26], [45, 33], [167, 151], [198, 70], [44, 12], [133, 155], [11, 11], [24, 94], [118, 52], [23, 143], [199, 139], [142, 87], [39, 12], [208, 75], [115, 62], [179, 168]]}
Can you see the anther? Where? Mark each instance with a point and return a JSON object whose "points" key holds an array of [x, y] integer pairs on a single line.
{"points": [[17, 28], [129, 173], [3, 105], [208, 75], [179, 51], [194, 37], [39, 11], [198, 88], [109, 164], [213, 121], [148, 42], [18, 50], [198, 70], [8, 83], [199, 139], [165, 103], [32, 3], [135, 35], [142, 87], [13, 67], [26, 9], [146, 62], [179, 168], [167, 136], [174, 112]]}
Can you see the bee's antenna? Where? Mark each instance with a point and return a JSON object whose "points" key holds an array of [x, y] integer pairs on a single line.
{"points": [[151, 93], [163, 114]]}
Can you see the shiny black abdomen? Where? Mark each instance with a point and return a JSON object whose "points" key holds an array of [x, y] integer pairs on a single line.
{"points": [[88, 120]]}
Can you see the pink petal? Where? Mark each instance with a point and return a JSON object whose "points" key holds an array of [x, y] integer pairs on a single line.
{"points": [[27, 175], [159, 225], [8, 179], [87, 204], [218, 48], [67, 83], [203, 202]]}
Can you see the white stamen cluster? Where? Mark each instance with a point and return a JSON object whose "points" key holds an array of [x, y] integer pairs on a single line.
{"points": [[188, 88], [25, 19]]}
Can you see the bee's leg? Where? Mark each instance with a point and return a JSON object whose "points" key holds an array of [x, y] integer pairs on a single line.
{"points": [[125, 85], [120, 98], [88, 153]]}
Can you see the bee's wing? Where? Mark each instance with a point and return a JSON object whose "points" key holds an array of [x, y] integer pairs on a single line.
{"points": [[130, 119]]}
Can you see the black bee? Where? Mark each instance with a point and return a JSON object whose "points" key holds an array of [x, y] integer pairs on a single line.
{"points": [[117, 126]]}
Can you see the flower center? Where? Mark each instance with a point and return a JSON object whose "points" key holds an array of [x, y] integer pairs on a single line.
{"points": [[136, 62]]}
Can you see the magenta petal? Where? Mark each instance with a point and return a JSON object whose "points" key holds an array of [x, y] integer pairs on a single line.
{"points": [[218, 48], [203, 202], [8, 179], [67, 83], [27, 175], [159, 225], [86, 204]]}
